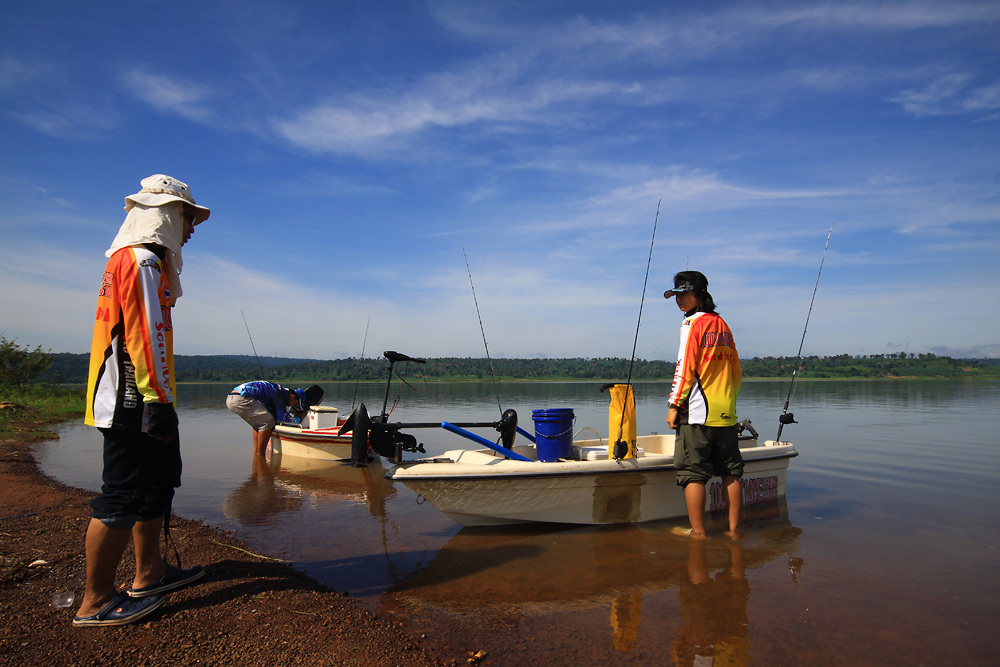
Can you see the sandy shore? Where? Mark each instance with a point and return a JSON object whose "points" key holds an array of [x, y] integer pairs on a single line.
{"points": [[247, 610]]}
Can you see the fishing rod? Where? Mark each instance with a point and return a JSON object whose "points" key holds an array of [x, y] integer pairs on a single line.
{"points": [[786, 416], [621, 448], [492, 374], [361, 362], [252, 346]]}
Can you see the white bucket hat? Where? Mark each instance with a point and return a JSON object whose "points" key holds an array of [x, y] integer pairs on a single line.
{"points": [[160, 189]]}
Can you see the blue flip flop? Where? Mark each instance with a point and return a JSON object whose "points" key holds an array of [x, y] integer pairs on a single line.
{"points": [[122, 610], [173, 579]]}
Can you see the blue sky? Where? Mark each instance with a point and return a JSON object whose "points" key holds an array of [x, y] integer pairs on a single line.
{"points": [[350, 151]]}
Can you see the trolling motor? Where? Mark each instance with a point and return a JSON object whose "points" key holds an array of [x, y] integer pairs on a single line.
{"points": [[385, 439], [394, 358], [389, 441], [507, 427], [378, 434]]}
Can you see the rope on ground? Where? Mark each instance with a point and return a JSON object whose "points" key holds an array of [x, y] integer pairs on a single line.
{"points": [[280, 560]]}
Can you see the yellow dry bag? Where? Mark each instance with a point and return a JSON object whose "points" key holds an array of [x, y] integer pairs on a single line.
{"points": [[619, 428]]}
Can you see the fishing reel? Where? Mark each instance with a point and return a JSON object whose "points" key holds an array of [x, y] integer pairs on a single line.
{"points": [[783, 419]]}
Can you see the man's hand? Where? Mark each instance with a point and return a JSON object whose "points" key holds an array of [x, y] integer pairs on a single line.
{"points": [[162, 421], [672, 415]]}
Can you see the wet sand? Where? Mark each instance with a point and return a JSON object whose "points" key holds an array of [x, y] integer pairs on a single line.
{"points": [[248, 609]]}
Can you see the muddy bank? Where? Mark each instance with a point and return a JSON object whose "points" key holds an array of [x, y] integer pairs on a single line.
{"points": [[247, 610]]}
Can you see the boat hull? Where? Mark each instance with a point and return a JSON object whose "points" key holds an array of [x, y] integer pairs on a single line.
{"points": [[322, 443], [476, 488]]}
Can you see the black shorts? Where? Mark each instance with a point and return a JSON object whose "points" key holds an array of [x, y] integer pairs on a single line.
{"points": [[701, 452], [140, 475]]}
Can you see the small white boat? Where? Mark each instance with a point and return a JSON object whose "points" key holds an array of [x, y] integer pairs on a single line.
{"points": [[571, 482], [318, 437], [483, 487], [327, 436]]}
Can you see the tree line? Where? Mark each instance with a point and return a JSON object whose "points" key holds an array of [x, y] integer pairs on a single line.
{"points": [[72, 368]]}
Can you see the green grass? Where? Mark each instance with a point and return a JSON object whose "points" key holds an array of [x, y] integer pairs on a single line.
{"points": [[40, 403]]}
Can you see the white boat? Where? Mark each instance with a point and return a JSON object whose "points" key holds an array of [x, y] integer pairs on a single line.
{"points": [[483, 487], [326, 436], [317, 438]]}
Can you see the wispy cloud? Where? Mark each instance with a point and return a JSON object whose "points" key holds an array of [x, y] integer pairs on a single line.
{"points": [[69, 120], [705, 190], [695, 35], [937, 213], [949, 95], [499, 90], [16, 74], [545, 74], [37, 94], [185, 98]]}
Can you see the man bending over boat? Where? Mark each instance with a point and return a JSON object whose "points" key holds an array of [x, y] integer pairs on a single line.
{"points": [[702, 403], [264, 404]]}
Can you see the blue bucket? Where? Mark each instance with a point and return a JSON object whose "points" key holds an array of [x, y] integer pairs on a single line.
{"points": [[553, 433]]}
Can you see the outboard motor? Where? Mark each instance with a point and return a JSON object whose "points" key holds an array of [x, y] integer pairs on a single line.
{"points": [[358, 423], [389, 441]]}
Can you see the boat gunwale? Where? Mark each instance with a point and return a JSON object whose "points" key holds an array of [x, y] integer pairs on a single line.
{"points": [[528, 474], [328, 434]]}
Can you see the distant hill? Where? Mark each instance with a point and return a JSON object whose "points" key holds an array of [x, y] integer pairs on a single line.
{"points": [[72, 368]]}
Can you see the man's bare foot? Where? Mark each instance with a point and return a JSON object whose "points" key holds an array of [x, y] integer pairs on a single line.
{"points": [[687, 532]]}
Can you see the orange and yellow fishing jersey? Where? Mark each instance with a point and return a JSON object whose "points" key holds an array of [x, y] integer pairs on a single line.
{"points": [[131, 357], [708, 375]]}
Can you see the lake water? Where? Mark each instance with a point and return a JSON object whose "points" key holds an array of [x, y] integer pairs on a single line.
{"points": [[885, 550]]}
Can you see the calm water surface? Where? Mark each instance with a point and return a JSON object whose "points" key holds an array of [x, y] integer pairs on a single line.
{"points": [[885, 550]]}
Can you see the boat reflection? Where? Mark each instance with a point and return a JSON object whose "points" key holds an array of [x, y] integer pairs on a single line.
{"points": [[507, 574], [284, 484]]}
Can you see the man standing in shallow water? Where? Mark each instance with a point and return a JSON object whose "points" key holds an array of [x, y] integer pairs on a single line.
{"points": [[702, 404], [130, 399]]}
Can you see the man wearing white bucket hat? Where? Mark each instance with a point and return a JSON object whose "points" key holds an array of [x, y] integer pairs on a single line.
{"points": [[130, 398]]}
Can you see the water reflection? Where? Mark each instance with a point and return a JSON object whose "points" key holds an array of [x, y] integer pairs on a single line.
{"points": [[506, 575], [286, 484], [259, 499], [612, 595], [713, 609]]}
